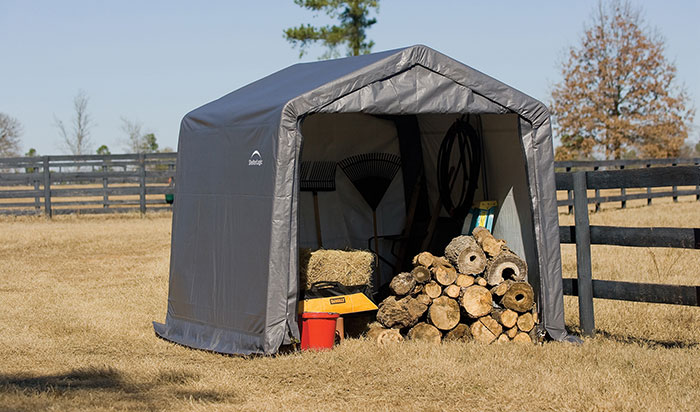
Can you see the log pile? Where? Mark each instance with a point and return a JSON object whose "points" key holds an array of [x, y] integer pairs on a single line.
{"points": [[477, 291]]}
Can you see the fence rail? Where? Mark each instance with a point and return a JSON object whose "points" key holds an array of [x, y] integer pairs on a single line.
{"points": [[583, 235], [568, 167], [86, 184]]}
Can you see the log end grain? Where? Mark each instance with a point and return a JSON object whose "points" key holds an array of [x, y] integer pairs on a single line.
{"points": [[426, 333], [444, 313], [477, 301]]}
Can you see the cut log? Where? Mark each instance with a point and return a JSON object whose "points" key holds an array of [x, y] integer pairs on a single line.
{"points": [[481, 333], [501, 289], [424, 259], [424, 299], [433, 290], [525, 322], [481, 282], [488, 243], [402, 284], [460, 333], [520, 297], [466, 255], [507, 265], [384, 336], [512, 332], [417, 290], [414, 308], [477, 301], [503, 338], [421, 274], [505, 317], [492, 325], [400, 313], [425, 332], [445, 275], [452, 291], [464, 281], [444, 313], [522, 337]]}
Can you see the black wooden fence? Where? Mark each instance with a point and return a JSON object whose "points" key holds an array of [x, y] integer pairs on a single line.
{"points": [[86, 184], [620, 164], [587, 288]]}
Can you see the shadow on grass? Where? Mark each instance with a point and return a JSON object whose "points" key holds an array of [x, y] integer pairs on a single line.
{"points": [[652, 343], [105, 387], [77, 379]]}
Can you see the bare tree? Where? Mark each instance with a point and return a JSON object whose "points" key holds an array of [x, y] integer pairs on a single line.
{"points": [[76, 138], [10, 131], [136, 141]]}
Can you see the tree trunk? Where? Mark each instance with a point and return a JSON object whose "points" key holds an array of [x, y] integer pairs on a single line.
{"points": [[477, 301], [466, 255], [506, 265], [487, 242], [520, 297], [444, 313], [464, 281], [421, 274], [505, 317], [424, 259], [460, 333], [425, 332], [402, 284], [452, 291], [525, 322], [433, 290]]}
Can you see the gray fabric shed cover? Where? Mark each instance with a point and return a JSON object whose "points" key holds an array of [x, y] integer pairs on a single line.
{"points": [[233, 264]]}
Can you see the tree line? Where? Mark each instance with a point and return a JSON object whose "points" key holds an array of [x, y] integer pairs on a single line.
{"points": [[75, 136]]}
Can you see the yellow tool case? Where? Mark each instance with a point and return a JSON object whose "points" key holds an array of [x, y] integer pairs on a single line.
{"points": [[336, 298]]}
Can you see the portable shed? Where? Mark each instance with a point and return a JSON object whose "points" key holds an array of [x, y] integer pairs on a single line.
{"points": [[239, 217]]}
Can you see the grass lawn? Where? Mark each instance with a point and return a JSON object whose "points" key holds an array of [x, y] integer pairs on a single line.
{"points": [[78, 294]]}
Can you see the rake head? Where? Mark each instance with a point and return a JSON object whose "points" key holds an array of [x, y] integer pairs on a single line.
{"points": [[317, 176], [371, 174]]}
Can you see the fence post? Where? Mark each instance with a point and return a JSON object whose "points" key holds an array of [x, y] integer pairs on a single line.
{"points": [[597, 195], [569, 197], [623, 193], [583, 255], [37, 201], [648, 191], [142, 183], [105, 183], [47, 187], [675, 189], [697, 189]]}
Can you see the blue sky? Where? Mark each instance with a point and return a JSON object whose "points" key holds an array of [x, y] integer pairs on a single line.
{"points": [[153, 61]]}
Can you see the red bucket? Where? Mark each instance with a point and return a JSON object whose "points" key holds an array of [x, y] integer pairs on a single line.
{"points": [[318, 330]]}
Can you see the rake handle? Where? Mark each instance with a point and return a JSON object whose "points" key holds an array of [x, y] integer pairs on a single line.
{"points": [[317, 218]]}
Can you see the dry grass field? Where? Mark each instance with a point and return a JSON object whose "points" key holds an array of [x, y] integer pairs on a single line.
{"points": [[78, 294]]}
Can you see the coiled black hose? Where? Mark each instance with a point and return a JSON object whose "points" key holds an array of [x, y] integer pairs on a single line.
{"points": [[469, 163]]}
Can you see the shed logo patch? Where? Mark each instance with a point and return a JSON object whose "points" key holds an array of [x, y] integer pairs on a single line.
{"points": [[255, 159]]}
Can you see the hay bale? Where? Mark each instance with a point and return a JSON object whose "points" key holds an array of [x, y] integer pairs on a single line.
{"points": [[349, 267]]}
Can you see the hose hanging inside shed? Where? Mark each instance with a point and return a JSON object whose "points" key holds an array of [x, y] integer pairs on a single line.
{"points": [[468, 163]]}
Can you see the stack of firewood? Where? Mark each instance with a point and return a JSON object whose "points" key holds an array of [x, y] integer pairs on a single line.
{"points": [[477, 291]]}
